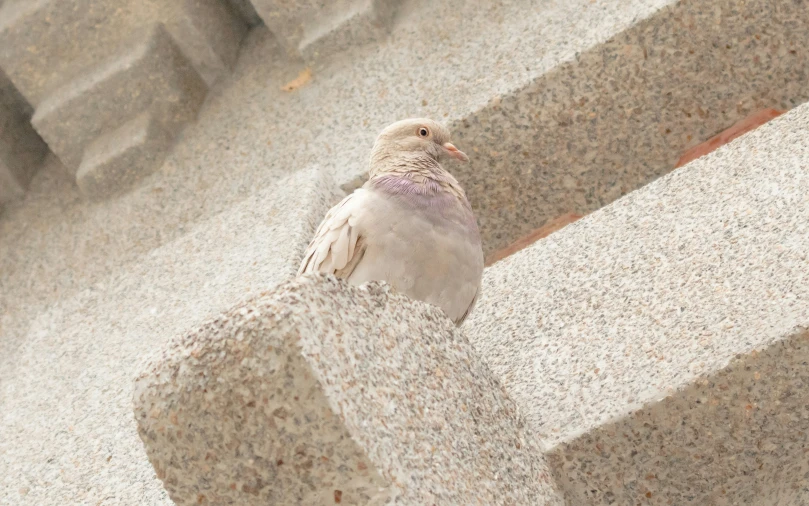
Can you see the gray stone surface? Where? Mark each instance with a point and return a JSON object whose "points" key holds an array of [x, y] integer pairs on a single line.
{"points": [[152, 75], [44, 44], [445, 65], [735, 437], [618, 115], [67, 435], [246, 10], [317, 29], [322, 393], [117, 160], [443, 59], [656, 345], [86, 68], [21, 149]]}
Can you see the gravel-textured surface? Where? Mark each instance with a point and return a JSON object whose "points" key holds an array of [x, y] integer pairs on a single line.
{"points": [[648, 295], [250, 133], [559, 110], [67, 435], [323, 393]]}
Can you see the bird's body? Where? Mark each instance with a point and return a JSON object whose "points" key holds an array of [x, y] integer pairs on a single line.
{"points": [[410, 225]]}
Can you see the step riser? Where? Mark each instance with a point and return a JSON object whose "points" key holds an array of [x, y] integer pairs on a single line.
{"points": [[735, 437], [156, 77], [621, 114]]}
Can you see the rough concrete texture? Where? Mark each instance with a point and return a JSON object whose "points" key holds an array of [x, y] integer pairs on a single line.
{"points": [[317, 29], [44, 44], [21, 149], [446, 60], [629, 338], [246, 10], [322, 393], [67, 435], [735, 437], [446, 65], [117, 160], [152, 75], [618, 115]]}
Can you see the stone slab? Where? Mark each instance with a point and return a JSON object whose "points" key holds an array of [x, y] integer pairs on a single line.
{"points": [[316, 29], [611, 333], [322, 393], [151, 75], [67, 435], [44, 44], [735, 437], [21, 149], [246, 10], [250, 133], [117, 160], [253, 132]]}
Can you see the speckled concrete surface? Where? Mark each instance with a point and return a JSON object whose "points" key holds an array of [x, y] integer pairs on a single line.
{"points": [[620, 114], [732, 438], [54, 246], [67, 435], [249, 133], [458, 60], [323, 393], [645, 297]]}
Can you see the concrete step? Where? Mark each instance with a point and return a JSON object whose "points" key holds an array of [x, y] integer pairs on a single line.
{"points": [[658, 346], [21, 149], [67, 381], [150, 75], [48, 43], [117, 160], [320, 393], [314, 30]]}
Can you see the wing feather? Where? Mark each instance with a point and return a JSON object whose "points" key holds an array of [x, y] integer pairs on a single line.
{"points": [[337, 245]]}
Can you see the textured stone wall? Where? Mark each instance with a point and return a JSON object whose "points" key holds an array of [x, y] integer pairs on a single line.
{"points": [[112, 81]]}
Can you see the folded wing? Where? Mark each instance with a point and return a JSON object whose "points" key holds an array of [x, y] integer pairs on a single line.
{"points": [[337, 246]]}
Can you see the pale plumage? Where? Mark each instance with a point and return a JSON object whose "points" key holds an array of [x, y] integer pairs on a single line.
{"points": [[410, 225]]}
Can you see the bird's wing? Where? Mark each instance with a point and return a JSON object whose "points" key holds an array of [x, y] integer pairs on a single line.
{"points": [[338, 245]]}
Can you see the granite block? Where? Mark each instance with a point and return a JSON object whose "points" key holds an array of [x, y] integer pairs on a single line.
{"points": [[245, 9], [67, 435], [209, 33], [117, 160], [151, 75], [615, 330], [735, 437], [614, 117], [21, 149], [443, 59], [317, 29], [44, 44], [323, 393]]}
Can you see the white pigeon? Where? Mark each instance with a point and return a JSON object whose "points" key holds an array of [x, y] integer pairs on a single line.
{"points": [[409, 225]]}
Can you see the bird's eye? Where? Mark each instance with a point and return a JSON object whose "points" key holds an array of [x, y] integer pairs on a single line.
{"points": [[424, 132]]}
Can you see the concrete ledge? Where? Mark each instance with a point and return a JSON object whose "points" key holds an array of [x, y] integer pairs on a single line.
{"points": [[321, 393], [312, 30], [613, 333], [152, 74], [735, 437], [117, 160], [67, 381], [21, 149]]}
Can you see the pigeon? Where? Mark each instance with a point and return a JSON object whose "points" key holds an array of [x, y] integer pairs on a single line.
{"points": [[409, 225]]}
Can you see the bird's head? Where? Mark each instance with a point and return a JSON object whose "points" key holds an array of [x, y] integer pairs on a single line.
{"points": [[416, 136]]}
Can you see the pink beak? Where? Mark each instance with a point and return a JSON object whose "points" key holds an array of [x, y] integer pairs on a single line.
{"points": [[455, 152]]}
